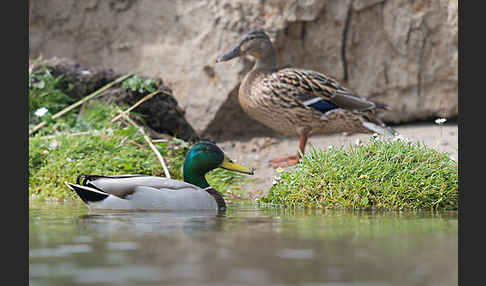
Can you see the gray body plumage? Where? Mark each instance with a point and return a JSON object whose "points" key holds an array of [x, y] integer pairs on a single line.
{"points": [[146, 192]]}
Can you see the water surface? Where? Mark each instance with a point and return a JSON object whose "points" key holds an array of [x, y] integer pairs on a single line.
{"points": [[69, 245]]}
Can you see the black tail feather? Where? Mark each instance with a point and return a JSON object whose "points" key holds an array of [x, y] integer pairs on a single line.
{"points": [[87, 194]]}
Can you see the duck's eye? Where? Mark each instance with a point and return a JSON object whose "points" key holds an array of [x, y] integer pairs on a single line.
{"points": [[210, 149]]}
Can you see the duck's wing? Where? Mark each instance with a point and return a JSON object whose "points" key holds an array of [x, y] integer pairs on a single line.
{"points": [[124, 185], [315, 90]]}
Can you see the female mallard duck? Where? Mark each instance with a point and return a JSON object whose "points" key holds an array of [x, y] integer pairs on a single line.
{"points": [[299, 102], [148, 192]]}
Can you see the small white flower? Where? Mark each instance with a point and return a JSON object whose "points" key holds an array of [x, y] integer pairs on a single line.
{"points": [[280, 170], [440, 121], [276, 179], [41, 112], [329, 147], [358, 141], [69, 159], [53, 144]]}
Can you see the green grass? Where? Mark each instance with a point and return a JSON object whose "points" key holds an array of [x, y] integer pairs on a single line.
{"points": [[106, 150], [383, 174], [109, 149]]}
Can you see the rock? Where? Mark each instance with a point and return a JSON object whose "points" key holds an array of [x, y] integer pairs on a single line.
{"points": [[160, 113], [401, 52], [79, 80]]}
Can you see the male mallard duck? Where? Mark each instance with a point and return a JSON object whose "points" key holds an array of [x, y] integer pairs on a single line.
{"points": [[149, 192], [299, 102]]}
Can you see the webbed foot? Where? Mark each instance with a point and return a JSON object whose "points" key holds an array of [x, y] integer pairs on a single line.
{"points": [[284, 161]]}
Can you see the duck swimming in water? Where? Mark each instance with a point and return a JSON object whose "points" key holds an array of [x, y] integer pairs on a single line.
{"points": [[143, 192]]}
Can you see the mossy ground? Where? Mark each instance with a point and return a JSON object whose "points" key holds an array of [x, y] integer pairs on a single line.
{"points": [[382, 174], [105, 148]]}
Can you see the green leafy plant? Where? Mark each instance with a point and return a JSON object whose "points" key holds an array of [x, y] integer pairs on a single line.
{"points": [[46, 97], [140, 85]]}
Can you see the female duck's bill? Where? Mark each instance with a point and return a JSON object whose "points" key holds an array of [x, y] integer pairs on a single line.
{"points": [[235, 52], [141, 192]]}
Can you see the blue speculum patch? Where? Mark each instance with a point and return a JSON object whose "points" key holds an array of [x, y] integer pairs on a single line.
{"points": [[323, 105]]}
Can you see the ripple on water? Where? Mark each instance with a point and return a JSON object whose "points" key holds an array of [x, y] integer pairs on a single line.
{"points": [[367, 283], [82, 239], [122, 245], [118, 274], [296, 253], [60, 251]]}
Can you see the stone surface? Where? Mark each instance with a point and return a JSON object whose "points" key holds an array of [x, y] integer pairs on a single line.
{"points": [[402, 52]]}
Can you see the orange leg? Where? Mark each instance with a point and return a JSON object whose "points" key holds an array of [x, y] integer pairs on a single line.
{"points": [[290, 160], [303, 142]]}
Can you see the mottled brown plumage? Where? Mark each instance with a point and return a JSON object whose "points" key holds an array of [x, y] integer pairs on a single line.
{"points": [[300, 102]]}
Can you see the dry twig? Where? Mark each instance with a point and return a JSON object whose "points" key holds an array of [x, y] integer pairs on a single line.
{"points": [[145, 98], [152, 146]]}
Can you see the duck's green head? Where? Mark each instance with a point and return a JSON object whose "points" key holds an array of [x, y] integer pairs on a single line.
{"points": [[204, 157], [255, 43]]}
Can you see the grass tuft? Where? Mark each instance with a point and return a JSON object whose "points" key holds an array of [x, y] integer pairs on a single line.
{"points": [[383, 174]]}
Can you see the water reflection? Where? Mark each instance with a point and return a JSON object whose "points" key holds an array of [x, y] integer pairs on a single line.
{"points": [[243, 246]]}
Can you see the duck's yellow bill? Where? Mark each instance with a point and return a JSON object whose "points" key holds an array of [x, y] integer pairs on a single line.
{"points": [[228, 164]]}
